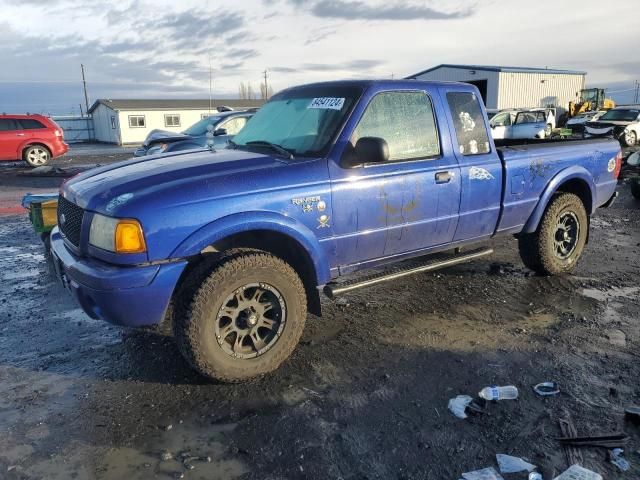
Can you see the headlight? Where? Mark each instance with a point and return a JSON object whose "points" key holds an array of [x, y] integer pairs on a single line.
{"points": [[118, 235]]}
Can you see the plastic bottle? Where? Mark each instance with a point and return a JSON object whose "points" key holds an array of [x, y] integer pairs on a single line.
{"points": [[499, 393]]}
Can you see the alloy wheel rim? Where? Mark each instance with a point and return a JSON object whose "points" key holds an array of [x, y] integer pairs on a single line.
{"points": [[38, 156], [250, 320], [567, 233]]}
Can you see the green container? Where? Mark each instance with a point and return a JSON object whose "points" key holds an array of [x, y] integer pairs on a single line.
{"points": [[43, 215]]}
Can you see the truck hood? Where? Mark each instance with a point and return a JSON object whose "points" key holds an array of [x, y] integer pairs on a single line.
{"points": [[111, 188]]}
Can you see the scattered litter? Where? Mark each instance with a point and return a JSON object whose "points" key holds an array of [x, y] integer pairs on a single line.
{"points": [[576, 472], [167, 427], [611, 440], [459, 404], [484, 474], [499, 393], [509, 464], [633, 414], [312, 392], [535, 476], [615, 457], [568, 429], [166, 455], [546, 389]]}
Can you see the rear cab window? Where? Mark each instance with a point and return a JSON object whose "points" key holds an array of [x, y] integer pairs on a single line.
{"points": [[405, 120], [468, 120]]}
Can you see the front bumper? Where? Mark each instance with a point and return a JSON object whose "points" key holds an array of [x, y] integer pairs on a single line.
{"points": [[124, 295]]}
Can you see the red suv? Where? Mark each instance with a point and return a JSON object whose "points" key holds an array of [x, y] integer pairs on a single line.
{"points": [[35, 139]]}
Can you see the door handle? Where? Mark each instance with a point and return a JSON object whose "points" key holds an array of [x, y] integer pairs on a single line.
{"points": [[19, 134], [443, 177]]}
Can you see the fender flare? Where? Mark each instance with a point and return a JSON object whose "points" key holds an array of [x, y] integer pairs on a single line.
{"points": [[258, 220], [570, 173]]}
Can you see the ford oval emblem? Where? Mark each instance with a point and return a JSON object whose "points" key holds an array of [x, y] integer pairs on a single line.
{"points": [[63, 219]]}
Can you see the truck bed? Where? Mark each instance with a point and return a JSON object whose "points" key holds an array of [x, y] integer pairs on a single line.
{"points": [[530, 165]]}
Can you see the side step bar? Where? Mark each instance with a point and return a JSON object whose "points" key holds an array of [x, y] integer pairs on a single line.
{"points": [[331, 290]]}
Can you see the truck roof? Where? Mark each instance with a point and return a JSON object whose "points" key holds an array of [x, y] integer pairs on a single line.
{"points": [[400, 83]]}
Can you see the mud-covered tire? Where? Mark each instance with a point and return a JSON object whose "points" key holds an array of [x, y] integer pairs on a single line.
{"points": [[195, 323], [635, 188], [538, 249]]}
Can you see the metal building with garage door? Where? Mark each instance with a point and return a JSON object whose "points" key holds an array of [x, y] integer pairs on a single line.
{"points": [[513, 87]]}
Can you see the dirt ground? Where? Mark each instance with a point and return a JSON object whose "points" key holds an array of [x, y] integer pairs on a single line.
{"points": [[365, 394]]}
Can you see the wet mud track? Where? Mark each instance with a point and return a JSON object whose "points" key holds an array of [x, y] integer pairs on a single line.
{"points": [[363, 396]]}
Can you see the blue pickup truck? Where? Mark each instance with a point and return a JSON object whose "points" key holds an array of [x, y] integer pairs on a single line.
{"points": [[234, 247]]}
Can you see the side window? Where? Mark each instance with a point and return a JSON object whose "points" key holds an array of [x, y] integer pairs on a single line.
{"points": [[7, 124], [526, 117], [405, 120], [137, 121], [469, 123], [30, 124], [502, 120], [113, 122], [234, 125], [541, 117]]}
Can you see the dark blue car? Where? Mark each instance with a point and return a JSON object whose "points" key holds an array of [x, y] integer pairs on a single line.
{"points": [[223, 125]]}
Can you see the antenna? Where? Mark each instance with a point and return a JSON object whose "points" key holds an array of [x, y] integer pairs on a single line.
{"points": [[84, 84]]}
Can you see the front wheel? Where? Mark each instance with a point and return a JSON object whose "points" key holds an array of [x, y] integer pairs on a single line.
{"points": [[557, 244], [36, 155], [630, 138], [245, 318]]}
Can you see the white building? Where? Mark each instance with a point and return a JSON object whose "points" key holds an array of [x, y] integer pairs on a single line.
{"points": [[513, 87], [129, 121]]}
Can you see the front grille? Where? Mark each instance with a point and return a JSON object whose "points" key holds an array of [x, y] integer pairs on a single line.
{"points": [[71, 224]]}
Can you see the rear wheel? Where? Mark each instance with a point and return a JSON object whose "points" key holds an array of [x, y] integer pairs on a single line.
{"points": [[36, 155], [547, 131], [557, 244], [245, 318], [630, 138]]}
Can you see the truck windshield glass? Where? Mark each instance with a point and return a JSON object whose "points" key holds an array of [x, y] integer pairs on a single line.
{"points": [[200, 128], [622, 115], [304, 121]]}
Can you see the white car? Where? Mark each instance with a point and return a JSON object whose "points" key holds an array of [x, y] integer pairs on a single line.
{"points": [[623, 123], [520, 124], [577, 123]]}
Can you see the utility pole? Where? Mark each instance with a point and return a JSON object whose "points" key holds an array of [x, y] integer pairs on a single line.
{"points": [[84, 83], [81, 114], [266, 86], [635, 100], [210, 85]]}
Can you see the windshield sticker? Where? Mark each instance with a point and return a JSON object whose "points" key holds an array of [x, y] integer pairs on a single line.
{"points": [[327, 103], [477, 173]]}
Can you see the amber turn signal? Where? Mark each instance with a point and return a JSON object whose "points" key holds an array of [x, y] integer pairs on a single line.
{"points": [[129, 237]]}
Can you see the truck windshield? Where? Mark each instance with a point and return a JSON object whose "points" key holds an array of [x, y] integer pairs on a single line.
{"points": [[622, 115], [200, 128], [303, 121]]}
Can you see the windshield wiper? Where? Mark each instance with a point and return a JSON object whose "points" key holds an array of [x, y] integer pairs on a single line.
{"points": [[273, 146]]}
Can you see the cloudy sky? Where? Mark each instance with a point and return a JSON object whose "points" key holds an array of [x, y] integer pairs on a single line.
{"points": [[151, 49]]}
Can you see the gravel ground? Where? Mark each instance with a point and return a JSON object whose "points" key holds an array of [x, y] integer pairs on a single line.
{"points": [[364, 395]]}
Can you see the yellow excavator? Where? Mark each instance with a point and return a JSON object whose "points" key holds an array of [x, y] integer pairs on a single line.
{"points": [[590, 100]]}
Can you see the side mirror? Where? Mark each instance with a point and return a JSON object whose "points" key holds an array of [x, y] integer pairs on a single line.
{"points": [[219, 132], [372, 150]]}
